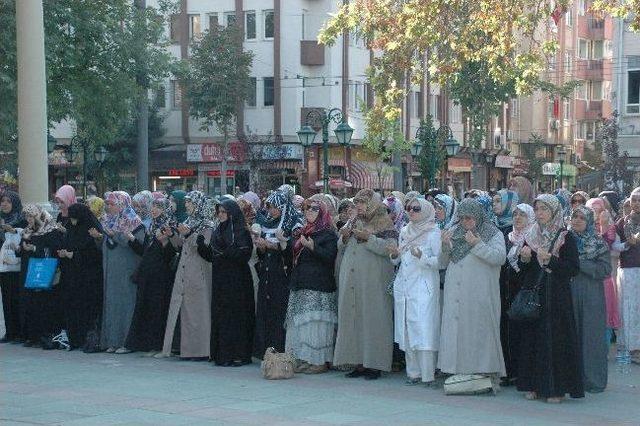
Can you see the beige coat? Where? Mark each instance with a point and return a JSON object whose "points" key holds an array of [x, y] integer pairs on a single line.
{"points": [[470, 334], [191, 299], [365, 310]]}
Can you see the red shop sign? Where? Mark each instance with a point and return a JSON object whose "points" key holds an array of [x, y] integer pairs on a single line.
{"points": [[182, 172], [217, 173]]}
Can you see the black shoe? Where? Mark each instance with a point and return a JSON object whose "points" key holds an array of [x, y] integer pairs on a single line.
{"points": [[372, 374], [18, 341], [5, 340], [355, 373], [29, 344], [507, 381]]}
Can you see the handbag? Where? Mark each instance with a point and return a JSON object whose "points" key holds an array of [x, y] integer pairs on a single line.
{"points": [[467, 384], [277, 366], [526, 305], [41, 273]]}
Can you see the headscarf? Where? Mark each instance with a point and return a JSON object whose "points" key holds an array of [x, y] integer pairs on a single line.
{"points": [[158, 195], [449, 206], [540, 236], [396, 209], [195, 220], [602, 205], [582, 194], [632, 220], [416, 232], [590, 243], [290, 219], [517, 236], [375, 220], [233, 231], [564, 197], [400, 196], [329, 201], [165, 218], [15, 215], [523, 187], [288, 190], [297, 201], [177, 197], [96, 204], [67, 195], [485, 228], [44, 223], [77, 236], [508, 200], [252, 198], [487, 203], [248, 211], [323, 222], [144, 199], [614, 201], [411, 195], [126, 220]]}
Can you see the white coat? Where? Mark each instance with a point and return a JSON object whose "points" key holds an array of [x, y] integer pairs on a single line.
{"points": [[416, 294]]}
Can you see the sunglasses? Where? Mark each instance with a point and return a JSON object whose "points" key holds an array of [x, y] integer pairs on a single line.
{"points": [[313, 208], [415, 209]]}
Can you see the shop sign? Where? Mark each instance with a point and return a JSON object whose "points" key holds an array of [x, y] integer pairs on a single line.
{"points": [[459, 165], [335, 183], [278, 152], [551, 169], [217, 173], [504, 162], [182, 172], [212, 152]]}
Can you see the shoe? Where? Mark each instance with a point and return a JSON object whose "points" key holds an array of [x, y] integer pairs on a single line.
{"points": [[412, 382], [62, 340], [301, 367], [5, 340], [48, 344], [110, 350], [531, 396], [161, 355], [316, 369], [372, 374], [507, 381], [150, 354], [554, 400], [29, 344], [123, 350], [355, 373]]}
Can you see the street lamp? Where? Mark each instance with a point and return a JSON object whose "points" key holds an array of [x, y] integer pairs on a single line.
{"points": [[322, 118], [426, 133], [489, 159], [562, 156], [79, 144]]}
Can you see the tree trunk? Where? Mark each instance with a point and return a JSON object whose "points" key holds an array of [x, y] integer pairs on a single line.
{"points": [[142, 151], [223, 164]]}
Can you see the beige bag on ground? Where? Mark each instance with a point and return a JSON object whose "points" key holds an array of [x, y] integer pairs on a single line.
{"points": [[468, 384], [276, 366]]}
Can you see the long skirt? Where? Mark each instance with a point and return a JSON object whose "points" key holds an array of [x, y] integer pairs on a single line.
{"points": [[629, 293], [11, 296], [611, 299]]}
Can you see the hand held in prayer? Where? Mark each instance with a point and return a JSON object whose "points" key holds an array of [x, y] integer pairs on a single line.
{"points": [[94, 233], [416, 252], [544, 256], [183, 229], [129, 236], [280, 236], [446, 236], [471, 238], [361, 235], [393, 251], [525, 254]]}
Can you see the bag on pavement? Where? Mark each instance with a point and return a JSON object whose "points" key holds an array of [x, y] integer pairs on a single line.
{"points": [[277, 366], [467, 384]]}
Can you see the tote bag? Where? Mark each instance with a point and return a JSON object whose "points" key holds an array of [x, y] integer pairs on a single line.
{"points": [[41, 273]]}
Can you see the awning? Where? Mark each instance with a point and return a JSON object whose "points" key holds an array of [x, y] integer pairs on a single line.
{"points": [[459, 165], [280, 165], [364, 175]]}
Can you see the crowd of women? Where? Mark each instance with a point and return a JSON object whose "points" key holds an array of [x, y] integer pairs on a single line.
{"points": [[337, 282]]}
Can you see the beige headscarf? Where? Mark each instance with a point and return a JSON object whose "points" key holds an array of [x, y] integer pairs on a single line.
{"points": [[375, 220]]}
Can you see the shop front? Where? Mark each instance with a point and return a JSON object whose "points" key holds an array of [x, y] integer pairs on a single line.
{"points": [[170, 180], [503, 166], [207, 160], [459, 175], [551, 173]]}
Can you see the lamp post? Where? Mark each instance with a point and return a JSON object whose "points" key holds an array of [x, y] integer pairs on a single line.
{"points": [[562, 155], [426, 134], [78, 145], [322, 118], [489, 158]]}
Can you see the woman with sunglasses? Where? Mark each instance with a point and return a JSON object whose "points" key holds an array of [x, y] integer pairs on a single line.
{"points": [[416, 291], [312, 313]]}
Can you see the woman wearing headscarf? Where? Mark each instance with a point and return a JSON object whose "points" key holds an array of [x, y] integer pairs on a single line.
{"points": [[153, 279], [628, 229], [504, 203], [119, 264], [470, 334], [41, 238], [589, 307], [252, 198], [549, 361], [96, 204], [249, 214], [604, 223], [141, 203], [280, 226], [510, 283], [445, 208], [416, 291], [191, 295], [81, 275], [579, 199], [395, 210], [232, 307], [312, 313], [177, 199], [346, 212], [564, 196], [12, 222], [64, 198], [365, 310], [523, 187]]}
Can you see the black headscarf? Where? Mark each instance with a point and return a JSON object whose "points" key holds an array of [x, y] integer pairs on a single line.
{"points": [[614, 200], [233, 231], [77, 236], [15, 217]]}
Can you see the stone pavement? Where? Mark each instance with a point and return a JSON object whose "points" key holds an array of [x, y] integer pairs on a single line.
{"points": [[73, 388]]}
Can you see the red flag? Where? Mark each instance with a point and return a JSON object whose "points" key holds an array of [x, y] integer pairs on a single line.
{"points": [[558, 13]]}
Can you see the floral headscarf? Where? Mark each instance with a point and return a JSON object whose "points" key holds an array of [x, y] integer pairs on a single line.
{"points": [[248, 211], [508, 201], [632, 220], [590, 244], [196, 218], [165, 218], [67, 195], [290, 219], [297, 202], [449, 205], [252, 198], [44, 223], [322, 222], [126, 220], [564, 197], [143, 200], [485, 228], [541, 235], [517, 236], [487, 203], [416, 232], [582, 194], [396, 210]]}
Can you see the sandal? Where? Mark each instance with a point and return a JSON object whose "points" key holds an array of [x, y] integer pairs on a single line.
{"points": [[557, 400], [531, 396]]}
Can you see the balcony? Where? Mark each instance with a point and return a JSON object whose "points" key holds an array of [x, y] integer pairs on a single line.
{"points": [[311, 53], [590, 69]]}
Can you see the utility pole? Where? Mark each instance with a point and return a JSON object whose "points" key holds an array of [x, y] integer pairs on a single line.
{"points": [[142, 164]]}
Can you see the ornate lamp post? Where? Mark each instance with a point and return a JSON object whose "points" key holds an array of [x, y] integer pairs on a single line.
{"points": [[426, 134], [562, 156], [78, 145], [322, 118]]}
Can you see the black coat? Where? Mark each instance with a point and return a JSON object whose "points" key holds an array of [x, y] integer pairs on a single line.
{"points": [[549, 360], [313, 270]]}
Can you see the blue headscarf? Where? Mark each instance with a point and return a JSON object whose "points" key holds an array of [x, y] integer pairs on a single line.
{"points": [[487, 205], [509, 200], [448, 204]]}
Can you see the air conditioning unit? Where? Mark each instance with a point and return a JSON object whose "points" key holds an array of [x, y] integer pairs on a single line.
{"points": [[554, 124]]}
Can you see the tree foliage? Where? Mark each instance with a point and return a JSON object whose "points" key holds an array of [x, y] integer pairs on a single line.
{"points": [[531, 152], [625, 9], [431, 157]]}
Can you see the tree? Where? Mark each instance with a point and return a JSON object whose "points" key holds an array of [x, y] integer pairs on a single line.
{"points": [[259, 149], [624, 9], [503, 40], [431, 157], [215, 79], [615, 173], [531, 151]]}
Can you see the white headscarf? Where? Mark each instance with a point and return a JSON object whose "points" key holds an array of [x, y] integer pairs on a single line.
{"points": [[517, 236], [415, 233]]}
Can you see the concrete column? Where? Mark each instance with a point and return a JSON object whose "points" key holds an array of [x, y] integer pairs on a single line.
{"points": [[32, 103]]}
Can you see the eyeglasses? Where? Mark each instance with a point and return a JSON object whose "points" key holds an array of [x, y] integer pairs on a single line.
{"points": [[313, 208], [415, 209], [578, 200]]}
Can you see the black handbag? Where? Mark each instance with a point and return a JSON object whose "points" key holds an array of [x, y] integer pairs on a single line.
{"points": [[526, 305]]}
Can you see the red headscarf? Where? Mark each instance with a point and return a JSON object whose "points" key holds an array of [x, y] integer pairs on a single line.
{"points": [[322, 222]]}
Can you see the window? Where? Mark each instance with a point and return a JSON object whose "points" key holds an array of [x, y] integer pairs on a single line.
{"points": [[229, 19], [581, 91], [567, 62], [268, 23], [552, 62], [596, 90], [213, 21], [174, 28], [251, 97], [595, 23], [515, 107], [608, 49], [159, 97], [416, 104], [586, 130], [569, 17], [583, 48], [606, 90], [597, 49], [633, 92], [566, 109], [176, 95], [436, 109], [268, 91], [194, 26], [456, 113], [250, 24], [582, 7]]}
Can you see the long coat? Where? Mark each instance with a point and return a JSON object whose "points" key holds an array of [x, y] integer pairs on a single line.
{"points": [[416, 295], [119, 263], [470, 334], [589, 309], [365, 310], [191, 300]]}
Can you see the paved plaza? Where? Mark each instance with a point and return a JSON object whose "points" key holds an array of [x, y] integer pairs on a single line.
{"points": [[73, 388]]}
